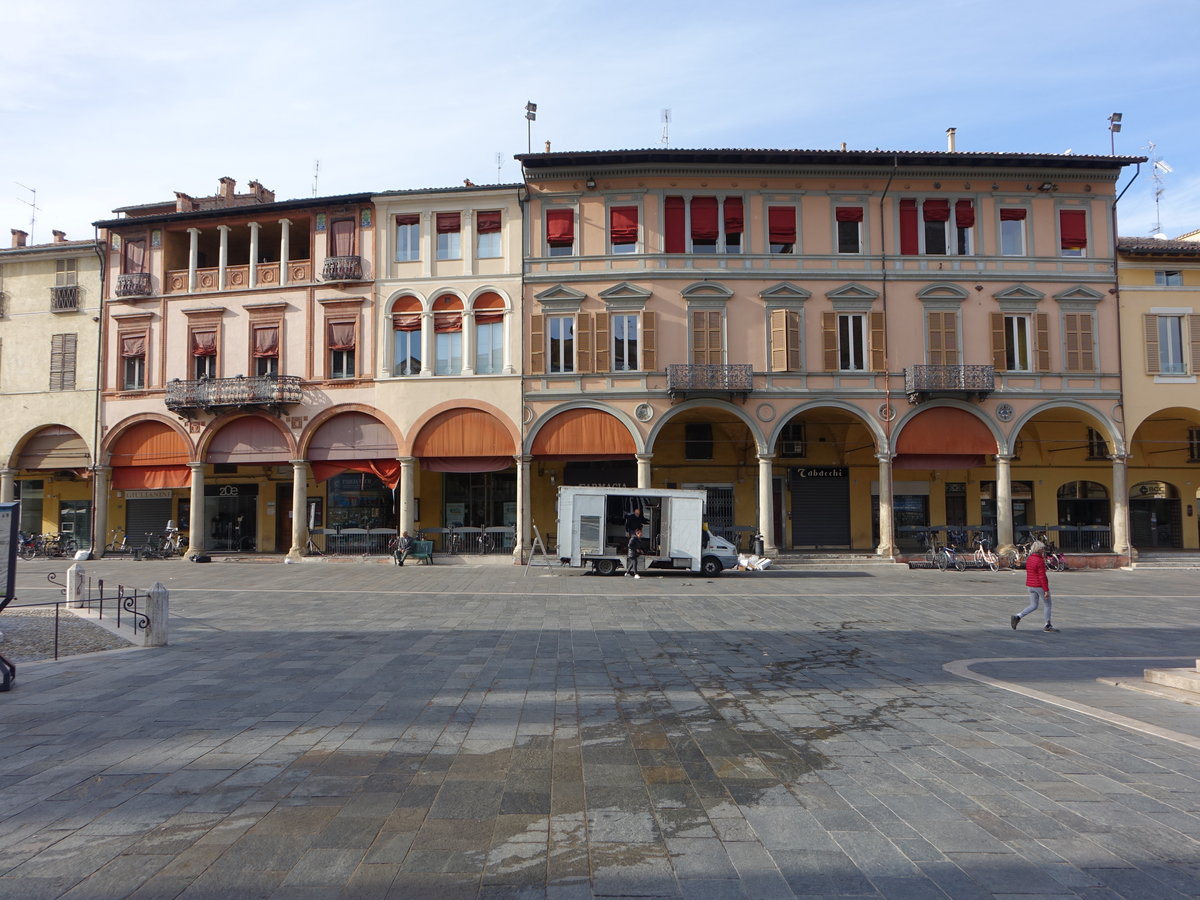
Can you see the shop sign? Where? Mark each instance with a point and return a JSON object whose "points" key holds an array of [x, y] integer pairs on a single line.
{"points": [[148, 495], [821, 472]]}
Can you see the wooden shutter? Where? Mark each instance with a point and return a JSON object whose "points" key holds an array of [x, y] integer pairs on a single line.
{"points": [[829, 346], [1078, 327], [1150, 328], [1194, 340], [878, 343], [779, 346], [1042, 323], [584, 361], [706, 337], [603, 346], [647, 344], [62, 362], [943, 338], [793, 338], [998, 356], [537, 345]]}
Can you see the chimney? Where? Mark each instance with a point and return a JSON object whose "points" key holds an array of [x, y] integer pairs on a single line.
{"points": [[843, 146], [184, 202], [228, 185], [950, 139], [59, 236], [261, 194], [19, 237], [547, 146]]}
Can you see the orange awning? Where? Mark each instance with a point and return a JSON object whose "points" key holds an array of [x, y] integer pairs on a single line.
{"points": [[149, 444], [55, 447], [945, 431], [463, 432], [588, 433]]}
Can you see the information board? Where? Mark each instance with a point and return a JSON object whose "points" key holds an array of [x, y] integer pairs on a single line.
{"points": [[10, 519]]}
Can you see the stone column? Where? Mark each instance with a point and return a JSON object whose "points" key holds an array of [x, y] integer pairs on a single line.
{"points": [[7, 484], [407, 492], [766, 502], [101, 476], [507, 325], [1120, 508], [468, 342], [887, 522], [1004, 520], [223, 258], [299, 509], [427, 343], [523, 539], [468, 240], [253, 283], [196, 518], [643, 469], [428, 243], [285, 246], [193, 257]]}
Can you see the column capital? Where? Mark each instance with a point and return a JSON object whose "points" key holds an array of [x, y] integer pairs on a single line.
{"points": [[196, 466], [194, 231], [224, 228], [254, 226], [885, 457], [298, 462], [285, 222], [523, 459], [1119, 459], [644, 457], [1005, 457], [766, 457], [406, 460]]}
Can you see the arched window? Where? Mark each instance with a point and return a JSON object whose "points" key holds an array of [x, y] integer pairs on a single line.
{"points": [[406, 336], [447, 327], [489, 334]]}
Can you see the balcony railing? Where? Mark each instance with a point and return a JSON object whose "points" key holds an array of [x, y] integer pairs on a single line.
{"points": [[342, 268], [723, 379], [221, 393], [923, 382], [64, 298], [136, 284]]}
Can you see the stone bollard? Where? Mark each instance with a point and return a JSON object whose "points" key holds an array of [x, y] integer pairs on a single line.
{"points": [[75, 591], [156, 609]]}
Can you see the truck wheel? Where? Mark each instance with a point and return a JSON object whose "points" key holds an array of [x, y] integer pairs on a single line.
{"points": [[604, 566], [710, 565]]}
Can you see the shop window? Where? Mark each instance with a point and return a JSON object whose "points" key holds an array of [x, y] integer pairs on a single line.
{"points": [[408, 238]]}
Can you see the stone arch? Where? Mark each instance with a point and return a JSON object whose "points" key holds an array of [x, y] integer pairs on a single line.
{"points": [[546, 417]]}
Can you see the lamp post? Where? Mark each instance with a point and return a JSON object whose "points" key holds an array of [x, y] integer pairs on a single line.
{"points": [[530, 115], [1114, 125]]}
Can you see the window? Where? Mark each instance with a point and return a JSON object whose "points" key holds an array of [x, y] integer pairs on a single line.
{"points": [[1012, 232], [703, 225], [561, 345], [449, 236], [342, 345], [781, 224], [1193, 440], [792, 442], [623, 229], [1020, 342], [447, 335], [849, 229], [341, 237], [938, 232], [785, 340], [65, 272], [1168, 278], [942, 337], [1097, 446], [560, 232], [708, 337], [1164, 344], [624, 342], [266, 349], [1072, 230], [133, 361], [697, 440], [1078, 329], [204, 353], [489, 334], [487, 235], [133, 256], [852, 342], [408, 238], [62, 362], [406, 336]]}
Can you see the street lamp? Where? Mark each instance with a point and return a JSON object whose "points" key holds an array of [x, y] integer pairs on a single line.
{"points": [[530, 115], [1114, 125]]}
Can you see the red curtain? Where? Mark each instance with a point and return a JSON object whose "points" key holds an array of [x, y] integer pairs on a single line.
{"points": [[1012, 215], [466, 463], [139, 478], [408, 220], [406, 322], [623, 224], [448, 223], [849, 214], [386, 470], [266, 342], [1072, 224], [936, 210], [133, 345], [343, 237], [341, 335], [735, 219], [447, 322], [560, 227], [704, 219], [781, 221], [675, 239], [908, 227], [964, 214], [487, 222], [204, 343]]}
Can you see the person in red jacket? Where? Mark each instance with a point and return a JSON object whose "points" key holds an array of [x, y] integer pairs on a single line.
{"points": [[1038, 585]]}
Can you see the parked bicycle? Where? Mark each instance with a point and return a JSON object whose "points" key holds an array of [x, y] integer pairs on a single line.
{"points": [[984, 555], [119, 542], [943, 556], [1055, 560]]}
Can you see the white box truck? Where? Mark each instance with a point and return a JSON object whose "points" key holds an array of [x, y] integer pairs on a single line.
{"points": [[591, 530]]}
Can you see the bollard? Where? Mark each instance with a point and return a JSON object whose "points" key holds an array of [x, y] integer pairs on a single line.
{"points": [[75, 592], [156, 610]]}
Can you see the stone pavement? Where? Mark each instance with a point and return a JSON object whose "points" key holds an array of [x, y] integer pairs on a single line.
{"points": [[365, 731]]}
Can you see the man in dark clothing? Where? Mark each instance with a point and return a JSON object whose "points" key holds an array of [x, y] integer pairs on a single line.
{"points": [[404, 546], [637, 547], [634, 521]]}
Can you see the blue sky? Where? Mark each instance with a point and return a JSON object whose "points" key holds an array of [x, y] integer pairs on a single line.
{"points": [[115, 104]]}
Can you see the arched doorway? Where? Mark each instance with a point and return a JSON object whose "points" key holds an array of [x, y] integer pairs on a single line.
{"points": [[1084, 517], [246, 454], [53, 483], [1155, 518]]}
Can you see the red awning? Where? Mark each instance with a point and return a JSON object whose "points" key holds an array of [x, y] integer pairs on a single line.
{"points": [[623, 226], [583, 433], [704, 219], [781, 221], [945, 430]]}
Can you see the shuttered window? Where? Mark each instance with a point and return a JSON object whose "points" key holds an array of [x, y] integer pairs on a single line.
{"points": [[649, 346], [785, 340], [62, 362], [1172, 344], [708, 345], [1078, 329], [942, 337]]}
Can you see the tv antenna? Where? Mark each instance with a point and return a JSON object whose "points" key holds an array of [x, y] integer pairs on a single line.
{"points": [[1158, 169], [665, 138], [316, 174], [499, 163], [33, 208]]}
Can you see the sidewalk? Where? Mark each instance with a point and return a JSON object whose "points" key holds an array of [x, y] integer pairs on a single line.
{"points": [[469, 731]]}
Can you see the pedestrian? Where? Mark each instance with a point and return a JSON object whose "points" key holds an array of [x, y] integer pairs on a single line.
{"points": [[634, 521], [404, 546], [1038, 585], [637, 547]]}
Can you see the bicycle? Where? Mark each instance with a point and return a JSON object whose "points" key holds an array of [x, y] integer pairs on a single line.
{"points": [[983, 554], [946, 557], [454, 543], [171, 544], [1055, 560], [486, 543], [117, 546], [1015, 556]]}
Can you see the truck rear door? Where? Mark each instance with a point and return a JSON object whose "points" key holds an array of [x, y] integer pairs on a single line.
{"points": [[587, 527]]}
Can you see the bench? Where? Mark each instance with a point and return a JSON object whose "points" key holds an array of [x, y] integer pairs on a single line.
{"points": [[423, 551]]}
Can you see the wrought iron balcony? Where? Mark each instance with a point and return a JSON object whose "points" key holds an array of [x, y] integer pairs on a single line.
{"points": [[136, 284], [710, 379], [925, 382], [271, 391], [342, 268], [64, 298]]}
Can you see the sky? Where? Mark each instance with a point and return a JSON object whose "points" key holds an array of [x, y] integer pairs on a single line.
{"points": [[121, 103]]}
